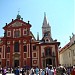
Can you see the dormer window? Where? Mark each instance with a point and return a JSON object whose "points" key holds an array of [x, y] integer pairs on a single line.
{"points": [[47, 40]]}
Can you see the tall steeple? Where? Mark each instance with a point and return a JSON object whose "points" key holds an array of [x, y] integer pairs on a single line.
{"points": [[45, 20], [46, 29]]}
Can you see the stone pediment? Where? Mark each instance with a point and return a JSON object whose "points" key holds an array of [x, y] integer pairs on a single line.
{"points": [[16, 24], [17, 55]]}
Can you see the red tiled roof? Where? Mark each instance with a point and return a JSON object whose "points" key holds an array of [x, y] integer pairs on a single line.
{"points": [[66, 46]]}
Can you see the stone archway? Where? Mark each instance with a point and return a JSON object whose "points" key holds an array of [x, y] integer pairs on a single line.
{"points": [[48, 61], [16, 59]]}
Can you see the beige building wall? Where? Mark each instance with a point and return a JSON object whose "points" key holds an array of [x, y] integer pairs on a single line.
{"points": [[67, 54]]}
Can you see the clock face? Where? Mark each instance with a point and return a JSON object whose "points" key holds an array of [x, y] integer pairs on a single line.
{"points": [[45, 30], [45, 34]]}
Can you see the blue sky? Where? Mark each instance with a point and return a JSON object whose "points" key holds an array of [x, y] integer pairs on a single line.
{"points": [[60, 15]]}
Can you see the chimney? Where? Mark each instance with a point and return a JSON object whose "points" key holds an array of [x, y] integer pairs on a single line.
{"points": [[6, 24], [28, 22], [12, 20]]}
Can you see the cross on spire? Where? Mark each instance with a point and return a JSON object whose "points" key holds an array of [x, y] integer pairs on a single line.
{"points": [[18, 10], [18, 16]]}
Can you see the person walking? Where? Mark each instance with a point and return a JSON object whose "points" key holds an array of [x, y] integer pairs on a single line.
{"points": [[73, 70], [32, 71], [43, 72], [23, 73], [50, 70], [37, 70], [54, 71], [17, 71]]}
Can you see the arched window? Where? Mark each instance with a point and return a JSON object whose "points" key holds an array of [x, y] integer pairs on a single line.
{"points": [[48, 51], [17, 34], [16, 47]]}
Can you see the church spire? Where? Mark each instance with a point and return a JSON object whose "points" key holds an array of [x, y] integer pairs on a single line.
{"points": [[45, 20], [46, 28]]}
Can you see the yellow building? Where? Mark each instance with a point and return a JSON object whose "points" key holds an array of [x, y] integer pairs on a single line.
{"points": [[67, 53]]}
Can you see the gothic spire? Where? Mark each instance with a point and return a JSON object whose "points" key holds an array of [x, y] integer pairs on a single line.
{"points": [[46, 28], [45, 20]]}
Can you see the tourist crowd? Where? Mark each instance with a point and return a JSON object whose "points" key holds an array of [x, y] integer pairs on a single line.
{"points": [[49, 70]]}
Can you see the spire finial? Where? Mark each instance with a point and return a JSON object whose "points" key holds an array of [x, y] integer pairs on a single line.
{"points": [[44, 14]]}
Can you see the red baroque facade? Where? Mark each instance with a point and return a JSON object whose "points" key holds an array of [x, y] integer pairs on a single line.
{"points": [[18, 47]]}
